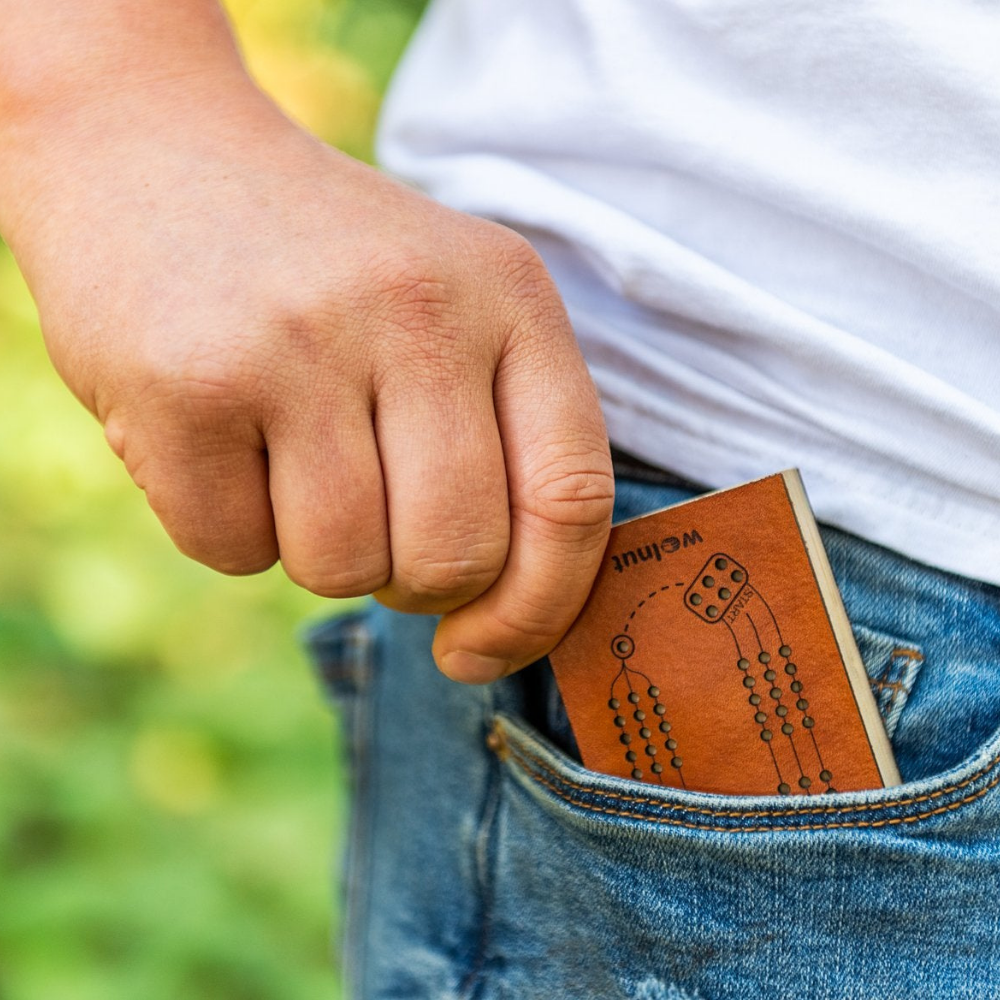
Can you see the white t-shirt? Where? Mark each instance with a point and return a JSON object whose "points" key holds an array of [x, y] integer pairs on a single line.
{"points": [[776, 227]]}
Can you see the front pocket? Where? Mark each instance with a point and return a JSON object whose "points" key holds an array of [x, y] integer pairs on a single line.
{"points": [[877, 895], [558, 782]]}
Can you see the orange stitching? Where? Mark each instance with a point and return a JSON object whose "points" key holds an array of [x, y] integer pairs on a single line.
{"points": [[892, 821], [862, 807], [522, 753], [909, 658]]}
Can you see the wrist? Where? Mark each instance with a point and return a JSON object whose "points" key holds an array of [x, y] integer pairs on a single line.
{"points": [[57, 55], [77, 79]]}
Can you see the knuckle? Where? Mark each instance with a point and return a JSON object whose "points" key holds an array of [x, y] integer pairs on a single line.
{"points": [[436, 583], [195, 390], [241, 564], [531, 621], [302, 333], [191, 373], [516, 258], [219, 553], [572, 496], [524, 278], [116, 435], [408, 291], [346, 581], [413, 308]]}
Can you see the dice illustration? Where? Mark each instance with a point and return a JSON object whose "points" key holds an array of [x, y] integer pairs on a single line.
{"points": [[715, 588]]}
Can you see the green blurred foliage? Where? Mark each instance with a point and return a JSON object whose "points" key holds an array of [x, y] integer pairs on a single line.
{"points": [[169, 790]]}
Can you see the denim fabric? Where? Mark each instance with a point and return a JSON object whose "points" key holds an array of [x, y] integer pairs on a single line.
{"points": [[514, 872]]}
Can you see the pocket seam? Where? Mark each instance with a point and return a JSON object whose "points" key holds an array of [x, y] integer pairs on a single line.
{"points": [[531, 764]]}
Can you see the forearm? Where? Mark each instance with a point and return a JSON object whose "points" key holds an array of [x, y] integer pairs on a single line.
{"points": [[72, 74], [55, 54]]}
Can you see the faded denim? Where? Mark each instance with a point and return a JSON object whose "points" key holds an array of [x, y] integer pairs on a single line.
{"points": [[514, 872]]}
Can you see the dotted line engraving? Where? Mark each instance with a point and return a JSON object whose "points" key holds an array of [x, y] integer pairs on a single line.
{"points": [[531, 764], [635, 682], [648, 597]]}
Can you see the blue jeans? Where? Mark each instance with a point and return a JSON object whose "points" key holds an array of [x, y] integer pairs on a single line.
{"points": [[486, 862]]}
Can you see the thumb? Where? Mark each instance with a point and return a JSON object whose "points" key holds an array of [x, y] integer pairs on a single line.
{"points": [[561, 491]]}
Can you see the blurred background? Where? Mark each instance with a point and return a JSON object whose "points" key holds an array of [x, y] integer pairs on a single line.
{"points": [[171, 795]]}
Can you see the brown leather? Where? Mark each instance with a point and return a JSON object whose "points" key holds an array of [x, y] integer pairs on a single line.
{"points": [[691, 609]]}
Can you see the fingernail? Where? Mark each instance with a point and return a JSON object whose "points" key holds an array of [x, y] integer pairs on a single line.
{"points": [[471, 668]]}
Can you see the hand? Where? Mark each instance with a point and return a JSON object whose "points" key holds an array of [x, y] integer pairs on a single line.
{"points": [[298, 358]]}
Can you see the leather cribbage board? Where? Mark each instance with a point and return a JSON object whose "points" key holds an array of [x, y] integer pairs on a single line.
{"points": [[714, 654]]}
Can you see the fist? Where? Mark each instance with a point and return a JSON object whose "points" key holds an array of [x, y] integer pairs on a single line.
{"points": [[298, 359]]}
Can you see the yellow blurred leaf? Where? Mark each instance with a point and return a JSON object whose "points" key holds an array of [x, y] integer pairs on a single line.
{"points": [[322, 89]]}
